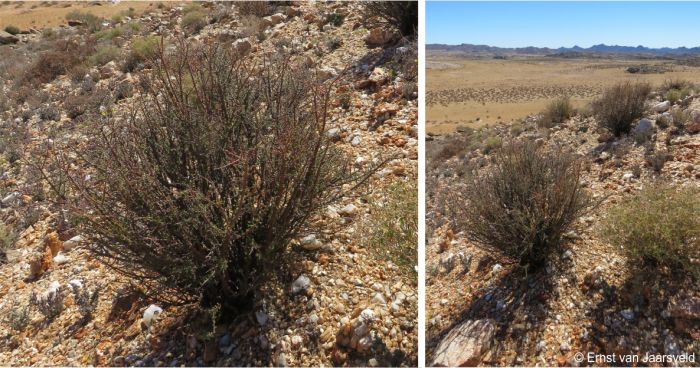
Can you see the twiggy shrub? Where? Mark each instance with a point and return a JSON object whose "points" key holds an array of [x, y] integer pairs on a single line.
{"points": [[660, 226], [219, 165], [556, 112], [402, 15], [620, 106], [523, 204]]}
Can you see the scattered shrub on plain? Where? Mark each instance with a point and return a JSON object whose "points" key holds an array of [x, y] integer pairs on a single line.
{"points": [[104, 55], [659, 226], [620, 106], [525, 202]]}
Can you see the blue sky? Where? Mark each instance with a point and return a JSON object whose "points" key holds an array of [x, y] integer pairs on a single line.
{"points": [[556, 24]]}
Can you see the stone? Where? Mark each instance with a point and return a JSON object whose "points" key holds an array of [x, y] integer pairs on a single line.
{"points": [[465, 344], [355, 141], [310, 242], [326, 72], [627, 314], [52, 243], [333, 134], [644, 128], [662, 107], [685, 311], [151, 314], [379, 299], [348, 211], [261, 317], [242, 46], [379, 76], [7, 38], [301, 284], [496, 268], [72, 242], [74, 23], [211, 351], [380, 37], [13, 199], [60, 259]]}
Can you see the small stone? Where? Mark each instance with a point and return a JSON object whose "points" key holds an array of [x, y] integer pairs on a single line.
{"points": [[627, 314], [379, 299], [348, 211], [355, 141], [261, 317], [301, 284], [496, 268], [150, 314]]}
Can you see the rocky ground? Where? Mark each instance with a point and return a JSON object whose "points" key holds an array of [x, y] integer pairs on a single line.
{"points": [[481, 311], [335, 302]]}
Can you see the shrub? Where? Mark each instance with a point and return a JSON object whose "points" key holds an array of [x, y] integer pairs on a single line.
{"points": [[48, 66], [335, 19], [402, 15], [216, 169], [620, 106], [253, 26], [12, 30], [392, 227], [659, 226], [17, 317], [90, 21], [104, 55], [556, 112], [49, 112], [193, 22], [85, 300], [492, 143], [50, 305], [657, 160], [256, 8], [7, 240], [192, 7], [110, 34], [680, 117], [525, 202], [143, 49]]}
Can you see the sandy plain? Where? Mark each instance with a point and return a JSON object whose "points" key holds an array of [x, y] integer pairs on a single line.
{"points": [[476, 92]]}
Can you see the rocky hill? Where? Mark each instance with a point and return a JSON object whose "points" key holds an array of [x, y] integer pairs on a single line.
{"points": [[592, 297], [337, 299]]}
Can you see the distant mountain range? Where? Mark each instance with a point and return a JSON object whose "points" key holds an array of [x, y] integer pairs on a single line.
{"points": [[595, 49]]}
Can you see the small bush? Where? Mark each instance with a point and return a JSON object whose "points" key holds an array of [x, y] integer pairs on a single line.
{"points": [[193, 22], [48, 66], [12, 30], [216, 169], [50, 112], [252, 25], [7, 240], [143, 49], [110, 34], [104, 55], [17, 317], [525, 202], [680, 117], [85, 300], [90, 21], [556, 112], [620, 106], [50, 305], [335, 19], [402, 15], [256, 8], [659, 226], [392, 227], [492, 143], [657, 160]]}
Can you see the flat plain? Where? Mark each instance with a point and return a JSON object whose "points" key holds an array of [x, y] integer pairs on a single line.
{"points": [[473, 92]]}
